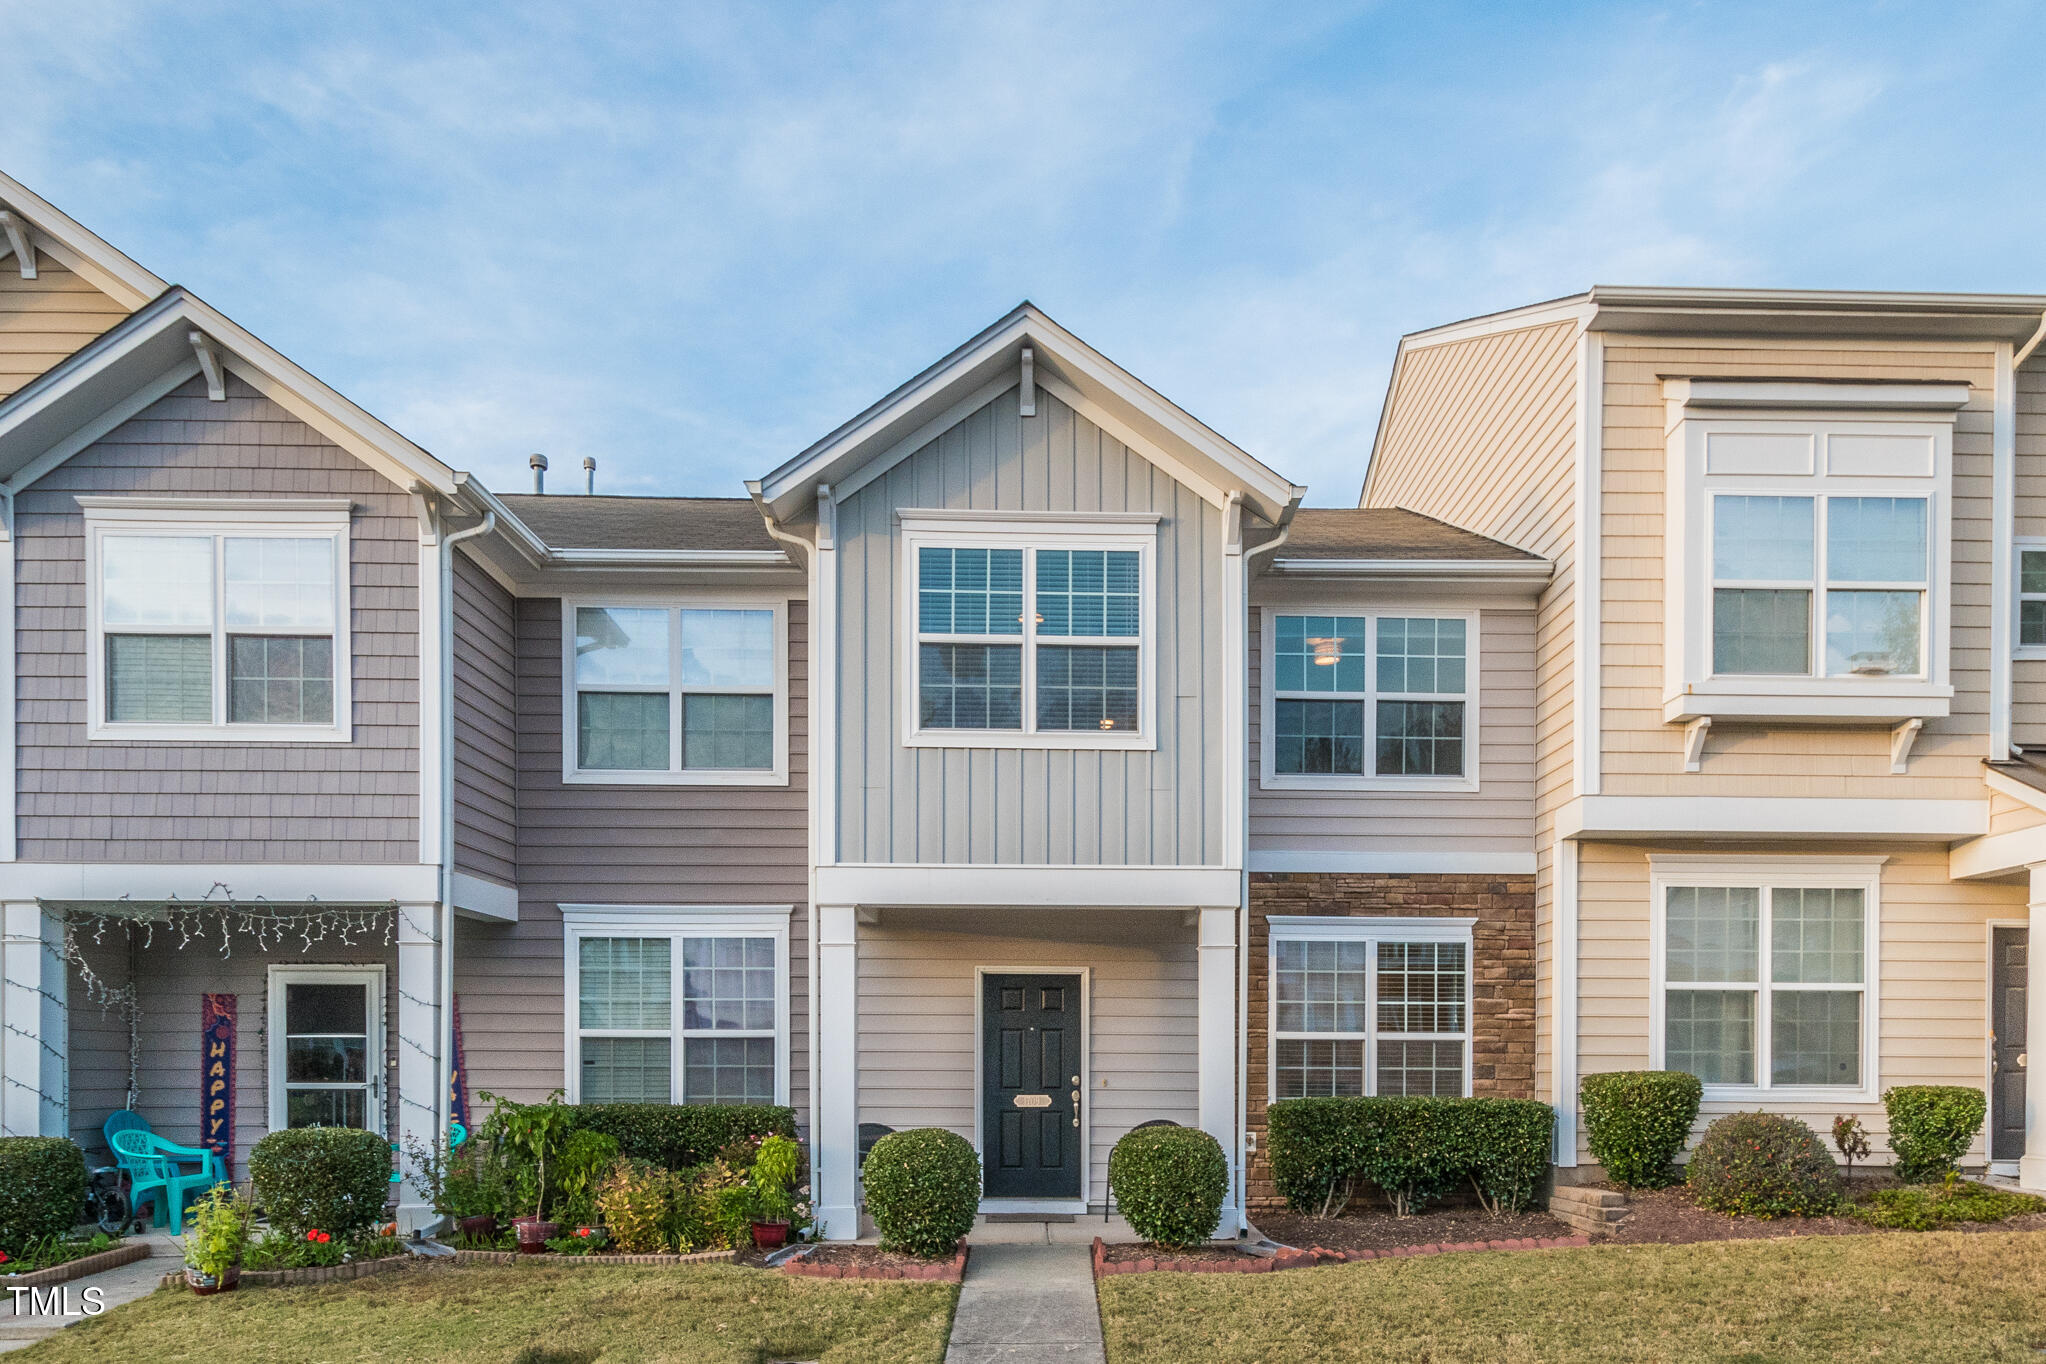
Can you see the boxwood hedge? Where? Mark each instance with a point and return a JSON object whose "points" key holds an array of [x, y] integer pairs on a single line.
{"points": [[331, 1179], [682, 1136], [1931, 1127], [1414, 1150], [923, 1189], [42, 1189], [1635, 1122], [1169, 1184]]}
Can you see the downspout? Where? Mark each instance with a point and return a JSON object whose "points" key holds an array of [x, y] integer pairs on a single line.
{"points": [[446, 644]]}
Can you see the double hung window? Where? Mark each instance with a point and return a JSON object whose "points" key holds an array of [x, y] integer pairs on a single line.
{"points": [[1370, 1006], [1369, 697], [659, 692], [220, 621], [2032, 598]]}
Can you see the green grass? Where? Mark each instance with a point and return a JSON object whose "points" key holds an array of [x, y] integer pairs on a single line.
{"points": [[714, 1314], [1933, 1296]]}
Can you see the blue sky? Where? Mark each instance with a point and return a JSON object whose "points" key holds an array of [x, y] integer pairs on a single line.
{"points": [[689, 239]]}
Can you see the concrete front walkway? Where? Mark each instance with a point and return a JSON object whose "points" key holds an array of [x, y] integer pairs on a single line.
{"points": [[121, 1284], [1027, 1304]]}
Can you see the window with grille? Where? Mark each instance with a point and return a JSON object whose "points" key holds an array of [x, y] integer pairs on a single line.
{"points": [[1369, 697], [1370, 1006], [679, 1017]]}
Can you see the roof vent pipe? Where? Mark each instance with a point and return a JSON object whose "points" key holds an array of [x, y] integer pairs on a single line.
{"points": [[538, 464], [589, 475]]}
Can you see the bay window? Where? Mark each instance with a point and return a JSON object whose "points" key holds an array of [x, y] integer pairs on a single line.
{"points": [[657, 692], [213, 619], [1766, 976], [1370, 1006]]}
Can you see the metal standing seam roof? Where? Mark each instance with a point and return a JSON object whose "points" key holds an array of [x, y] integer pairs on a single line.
{"points": [[581, 521], [1387, 533]]}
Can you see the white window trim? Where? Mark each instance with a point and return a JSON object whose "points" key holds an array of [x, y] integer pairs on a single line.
{"points": [[1372, 929], [1691, 690], [217, 518], [1271, 779], [673, 922], [1030, 533], [574, 774], [1763, 873], [2036, 544], [383, 1076]]}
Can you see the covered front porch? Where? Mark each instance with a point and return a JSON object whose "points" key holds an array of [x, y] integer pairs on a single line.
{"points": [[219, 1021], [1041, 1034]]}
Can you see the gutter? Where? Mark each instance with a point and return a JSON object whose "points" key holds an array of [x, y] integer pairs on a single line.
{"points": [[1526, 571]]}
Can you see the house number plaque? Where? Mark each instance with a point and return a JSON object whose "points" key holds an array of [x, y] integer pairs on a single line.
{"points": [[1033, 1101]]}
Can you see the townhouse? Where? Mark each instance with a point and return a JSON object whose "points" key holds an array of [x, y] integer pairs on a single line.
{"points": [[1022, 757]]}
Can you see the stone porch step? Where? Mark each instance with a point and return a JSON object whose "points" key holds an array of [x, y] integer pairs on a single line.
{"points": [[1590, 1211]]}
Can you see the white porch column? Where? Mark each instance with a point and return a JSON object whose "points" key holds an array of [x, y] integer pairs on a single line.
{"points": [[835, 1126], [33, 1027], [2032, 1165], [1216, 1042], [419, 1071]]}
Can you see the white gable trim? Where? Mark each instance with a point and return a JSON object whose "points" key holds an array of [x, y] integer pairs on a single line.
{"points": [[79, 251]]}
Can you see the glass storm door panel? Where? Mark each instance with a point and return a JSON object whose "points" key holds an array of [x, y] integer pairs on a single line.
{"points": [[1030, 1086], [329, 1050]]}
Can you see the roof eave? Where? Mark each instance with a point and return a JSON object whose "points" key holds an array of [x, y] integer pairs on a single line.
{"points": [[82, 252], [1527, 572], [1806, 312]]}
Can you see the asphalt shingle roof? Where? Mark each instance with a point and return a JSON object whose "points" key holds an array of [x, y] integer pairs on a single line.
{"points": [[1386, 533], [574, 521]]}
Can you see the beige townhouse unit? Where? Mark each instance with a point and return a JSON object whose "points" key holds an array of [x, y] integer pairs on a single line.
{"points": [[1787, 825]]}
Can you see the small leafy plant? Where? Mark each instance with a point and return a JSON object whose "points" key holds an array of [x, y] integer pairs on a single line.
{"points": [[636, 1201], [49, 1251], [537, 1132], [776, 1168], [1850, 1139], [220, 1232], [1931, 1127]]}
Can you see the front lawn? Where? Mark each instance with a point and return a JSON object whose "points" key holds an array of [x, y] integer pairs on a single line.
{"points": [[1930, 1296], [716, 1314]]}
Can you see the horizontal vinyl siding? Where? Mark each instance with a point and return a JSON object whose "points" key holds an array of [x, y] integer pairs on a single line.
{"points": [[917, 1008], [1643, 755], [216, 802], [599, 844], [2028, 681], [984, 805], [1497, 817], [1934, 955], [485, 697], [2008, 814], [45, 319]]}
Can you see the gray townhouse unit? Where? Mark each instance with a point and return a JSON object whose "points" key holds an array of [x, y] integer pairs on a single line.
{"points": [[1022, 758]]}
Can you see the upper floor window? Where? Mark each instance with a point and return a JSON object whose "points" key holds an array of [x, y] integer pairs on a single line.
{"points": [[1370, 699], [1028, 634], [218, 619], [658, 692], [2032, 598]]}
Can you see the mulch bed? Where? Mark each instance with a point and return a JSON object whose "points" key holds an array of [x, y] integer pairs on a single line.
{"points": [[872, 1262], [1376, 1229], [1130, 1253], [1671, 1217]]}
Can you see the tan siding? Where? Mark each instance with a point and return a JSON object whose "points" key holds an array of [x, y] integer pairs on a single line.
{"points": [[1643, 755], [2008, 814], [221, 802], [675, 845], [45, 319], [917, 1008], [486, 797], [1934, 954], [1497, 817]]}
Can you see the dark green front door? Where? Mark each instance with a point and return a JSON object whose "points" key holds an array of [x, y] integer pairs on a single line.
{"points": [[1030, 1086]]}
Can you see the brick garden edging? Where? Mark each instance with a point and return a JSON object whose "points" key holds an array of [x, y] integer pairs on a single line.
{"points": [[938, 1271], [1291, 1258], [126, 1254], [287, 1278]]}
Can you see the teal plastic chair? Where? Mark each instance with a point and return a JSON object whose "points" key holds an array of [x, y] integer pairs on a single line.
{"points": [[154, 1172], [124, 1120]]}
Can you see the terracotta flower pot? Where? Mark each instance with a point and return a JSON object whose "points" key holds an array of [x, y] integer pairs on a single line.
{"points": [[535, 1234], [770, 1235], [480, 1228], [206, 1285]]}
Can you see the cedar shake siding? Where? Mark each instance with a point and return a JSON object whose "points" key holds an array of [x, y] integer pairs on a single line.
{"points": [[1502, 965], [45, 319], [486, 747], [595, 843], [216, 802]]}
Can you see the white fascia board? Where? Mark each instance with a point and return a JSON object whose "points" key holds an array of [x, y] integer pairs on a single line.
{"points": [[932, 885], [1998, 854], [2015, 789], [80, 251], [1526, 575], [342, 883], [1906, 820], [1841, 395], [1421, 862]]}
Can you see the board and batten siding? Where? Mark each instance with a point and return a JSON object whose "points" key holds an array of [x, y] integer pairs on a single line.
{"points": [[592, 843], [1482, 433], [1643, 755], [1497, 817], [1039, 807], [46, 319], [216, 802], [1933, 983], [486, 724], [917, 1003], [2028, 676]]}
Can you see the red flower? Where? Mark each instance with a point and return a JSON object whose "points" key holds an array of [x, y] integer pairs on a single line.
{"points": [[312, 1236], [582, 1231], [3, 1257], [324, 1238]]}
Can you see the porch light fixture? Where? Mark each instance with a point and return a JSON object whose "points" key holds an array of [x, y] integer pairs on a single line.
{"points": [[1327, 652], [1108, 722]]}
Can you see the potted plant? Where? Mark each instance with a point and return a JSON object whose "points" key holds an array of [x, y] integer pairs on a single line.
{"points": [[773, 1188], [214, 1245], [537, 1131]]}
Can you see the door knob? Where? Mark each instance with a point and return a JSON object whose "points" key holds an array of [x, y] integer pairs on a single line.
{"points": [[2021, 1060]]}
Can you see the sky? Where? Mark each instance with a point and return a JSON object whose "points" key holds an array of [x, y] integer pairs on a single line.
{"points": [[689, 239]]}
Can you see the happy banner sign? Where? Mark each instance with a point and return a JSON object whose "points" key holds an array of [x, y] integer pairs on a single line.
{"points": [[216, 1077]]}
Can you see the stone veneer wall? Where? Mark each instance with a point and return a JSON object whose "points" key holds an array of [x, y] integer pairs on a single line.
{"points": [[1503, 986]]}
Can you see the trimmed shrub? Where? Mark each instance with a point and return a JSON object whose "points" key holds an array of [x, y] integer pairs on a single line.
{"points": [[1763, 1165], [923, 1189], [683, 1136], [1635, 1122], [1169, 1183], [42, 1189], [637, 1201], [1931, 1126], [1414, 1149], [331, 1179]]}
